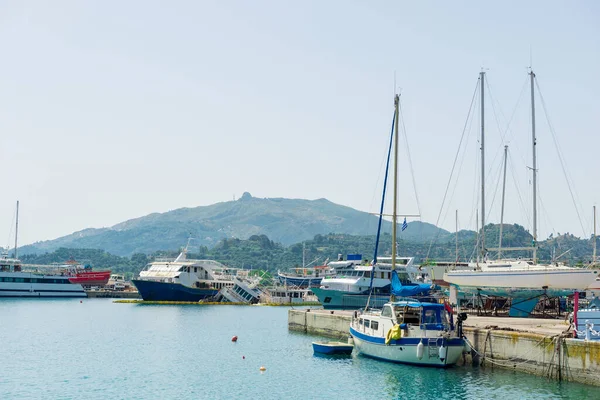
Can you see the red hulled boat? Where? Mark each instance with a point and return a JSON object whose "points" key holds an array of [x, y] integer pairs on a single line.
{"points": [[84, 274]]}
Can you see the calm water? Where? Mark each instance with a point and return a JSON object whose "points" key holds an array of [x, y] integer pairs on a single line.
{"points": [[64, 349]]}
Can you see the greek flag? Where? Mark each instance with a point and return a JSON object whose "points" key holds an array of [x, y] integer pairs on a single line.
{"points": [[404, 224]]}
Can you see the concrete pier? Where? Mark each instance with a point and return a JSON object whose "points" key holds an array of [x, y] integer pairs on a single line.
{"points": [[537, 346]]}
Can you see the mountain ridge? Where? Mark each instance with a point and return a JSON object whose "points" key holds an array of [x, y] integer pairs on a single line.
{"points": [[286, 221]]}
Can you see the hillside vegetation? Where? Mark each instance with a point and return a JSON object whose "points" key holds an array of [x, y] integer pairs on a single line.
{"points": [[260, 252]]}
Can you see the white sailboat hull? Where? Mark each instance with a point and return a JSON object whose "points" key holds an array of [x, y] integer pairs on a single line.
{"points": [[512, 281]]}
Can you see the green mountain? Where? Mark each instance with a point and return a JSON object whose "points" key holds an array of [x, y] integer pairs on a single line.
{"points": [[259, 252], [284, 221]]}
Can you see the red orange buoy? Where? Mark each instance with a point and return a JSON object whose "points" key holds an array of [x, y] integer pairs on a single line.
{"points": [[234, 339]]}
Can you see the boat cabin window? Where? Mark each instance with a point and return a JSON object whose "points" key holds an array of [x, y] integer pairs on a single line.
{"points": [[375, 325], [367, 323], [360, 321], [387, 311], [367, 274], [429, 317], [407, 315]]}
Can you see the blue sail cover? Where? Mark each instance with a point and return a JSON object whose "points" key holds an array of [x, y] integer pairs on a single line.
{"points": [[398, 289]]}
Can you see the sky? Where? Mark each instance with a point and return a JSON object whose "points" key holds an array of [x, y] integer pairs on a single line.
{"points": [[111, 110]]}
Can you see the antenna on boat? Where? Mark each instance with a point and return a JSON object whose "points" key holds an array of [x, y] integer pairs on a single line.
{"points": [[17, 229]]}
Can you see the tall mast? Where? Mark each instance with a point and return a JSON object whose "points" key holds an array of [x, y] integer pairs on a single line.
{"points": [[534, 167], [395, 212], [482, 79], [17, 229], [303, 254], [456, 237], [502, 209], [594, 255]]}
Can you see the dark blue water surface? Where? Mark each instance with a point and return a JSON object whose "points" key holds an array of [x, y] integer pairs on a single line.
{"points": [[97, 349]]}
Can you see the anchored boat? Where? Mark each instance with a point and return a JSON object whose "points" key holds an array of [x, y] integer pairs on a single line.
{"points": [[183, 280], [408, 330]]}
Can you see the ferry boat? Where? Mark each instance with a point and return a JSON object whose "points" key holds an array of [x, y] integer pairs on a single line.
{"points": [[183, 280], [14, 282]]}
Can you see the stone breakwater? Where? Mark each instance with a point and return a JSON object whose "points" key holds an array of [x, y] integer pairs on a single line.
{"points": [[541, 347]]}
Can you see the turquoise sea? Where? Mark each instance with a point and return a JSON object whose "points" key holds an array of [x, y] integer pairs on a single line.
{"points": [[97, 349]]}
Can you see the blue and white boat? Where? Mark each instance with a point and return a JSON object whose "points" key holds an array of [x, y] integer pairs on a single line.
{"points": [[183, 279], [305, 276], [409, 332], [332, 348]]}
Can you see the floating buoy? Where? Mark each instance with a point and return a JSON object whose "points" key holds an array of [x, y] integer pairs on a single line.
{"points": [[420, 350], [262, 369], [234, 339], [80, 301], [243, 357]]}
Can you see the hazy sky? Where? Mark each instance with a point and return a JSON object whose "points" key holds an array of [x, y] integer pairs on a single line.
{"points": [[111, 110]]}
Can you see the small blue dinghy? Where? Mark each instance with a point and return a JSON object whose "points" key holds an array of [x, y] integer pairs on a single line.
{"points": [[332, 347]]}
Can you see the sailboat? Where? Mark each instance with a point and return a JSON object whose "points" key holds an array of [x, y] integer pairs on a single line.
{"points": [[406, 330], [526, 280]]}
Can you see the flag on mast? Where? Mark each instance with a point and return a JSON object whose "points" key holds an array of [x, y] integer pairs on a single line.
{"points": [[404, 224]]}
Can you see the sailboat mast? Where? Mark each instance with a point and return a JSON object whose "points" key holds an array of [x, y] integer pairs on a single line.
{"points": [[502, 209], [17, 229], [534, 167], [395, 212], [594, 255], [303, 254], [456, 237], [482, 81]]}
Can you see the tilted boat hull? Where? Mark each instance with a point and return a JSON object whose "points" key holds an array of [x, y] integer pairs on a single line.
{"points": [[404, 350], [163, 291]]}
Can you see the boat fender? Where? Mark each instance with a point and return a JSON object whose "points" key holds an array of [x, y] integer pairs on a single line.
{"points": [[443, 352], [420, 350]]}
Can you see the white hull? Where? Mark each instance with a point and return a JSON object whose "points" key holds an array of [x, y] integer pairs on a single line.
{"points": [[407, 353], [26, 284], [546, 278]]}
